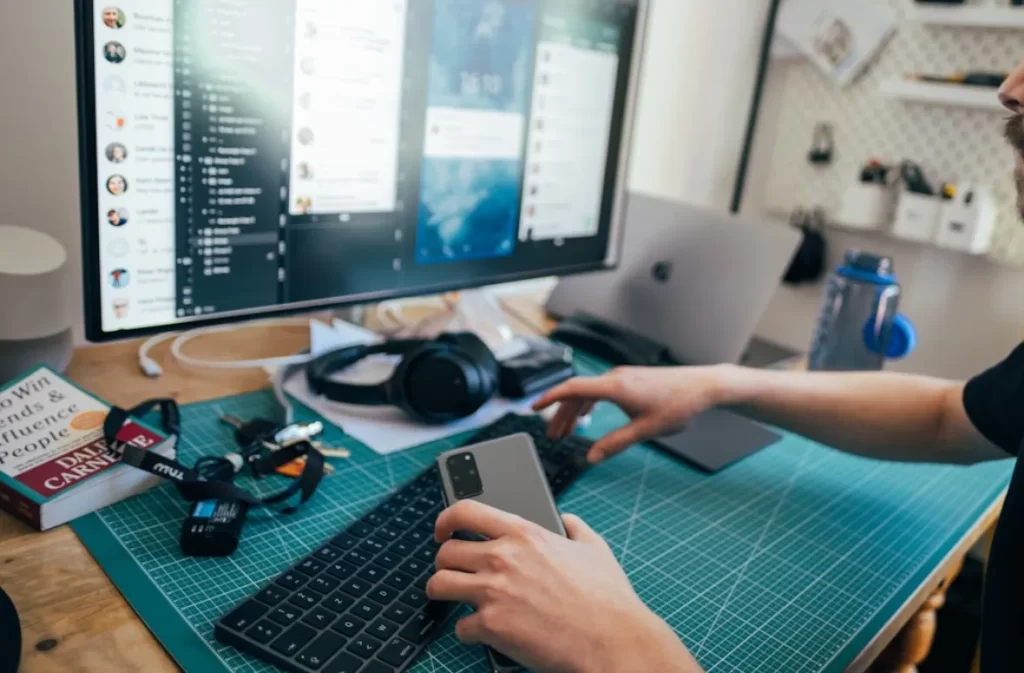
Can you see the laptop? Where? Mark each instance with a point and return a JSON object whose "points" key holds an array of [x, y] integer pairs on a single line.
{"points": [[693, 280]]}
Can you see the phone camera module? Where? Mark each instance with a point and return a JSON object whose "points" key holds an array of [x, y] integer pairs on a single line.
{"points": [[465, 476]]}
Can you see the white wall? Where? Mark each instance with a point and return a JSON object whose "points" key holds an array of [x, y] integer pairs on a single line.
{"points": [[38, 135], [969, 312]]}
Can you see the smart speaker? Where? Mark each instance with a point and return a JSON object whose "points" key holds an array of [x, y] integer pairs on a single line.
{"points": [[35, 325]]}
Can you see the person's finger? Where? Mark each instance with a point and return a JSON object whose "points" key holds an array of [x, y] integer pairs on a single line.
{"points": [[565, 418], [469, 630], [452, 586], [618, 441], [578, 530], [599, 387], [463, 556], [475, 517]]}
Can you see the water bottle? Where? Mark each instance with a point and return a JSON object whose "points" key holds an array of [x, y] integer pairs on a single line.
{"points": [[860, 325]]}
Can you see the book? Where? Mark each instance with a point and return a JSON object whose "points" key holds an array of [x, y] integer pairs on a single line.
{"points": [[839, 36], [54, 461]]}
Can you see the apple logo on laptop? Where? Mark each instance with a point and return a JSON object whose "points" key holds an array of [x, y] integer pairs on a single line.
{"points": [[662, 272]]}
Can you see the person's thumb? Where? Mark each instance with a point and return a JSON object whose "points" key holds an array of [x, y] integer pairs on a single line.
{"points": [[579, 531]]}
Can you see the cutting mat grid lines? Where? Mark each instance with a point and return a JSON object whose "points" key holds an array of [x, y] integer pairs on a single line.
{"points": [[788, 561]]}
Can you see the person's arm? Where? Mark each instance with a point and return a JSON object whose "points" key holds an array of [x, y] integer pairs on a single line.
{"points": [[879, 415], [553, 604]]}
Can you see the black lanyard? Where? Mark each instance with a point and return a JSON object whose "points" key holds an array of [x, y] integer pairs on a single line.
{"points": [[195, 486]]}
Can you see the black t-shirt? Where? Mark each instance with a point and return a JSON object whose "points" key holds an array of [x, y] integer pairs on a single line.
{"points": [[995, 404]]}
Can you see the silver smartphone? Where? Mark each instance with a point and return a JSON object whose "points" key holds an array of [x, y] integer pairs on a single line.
{"points": [[507, 475]]}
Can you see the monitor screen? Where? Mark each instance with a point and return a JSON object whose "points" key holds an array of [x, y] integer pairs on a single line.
{"points": [[244, 157]]}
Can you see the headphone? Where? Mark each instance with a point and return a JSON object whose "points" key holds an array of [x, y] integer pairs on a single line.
{"points": [[437, 381]]}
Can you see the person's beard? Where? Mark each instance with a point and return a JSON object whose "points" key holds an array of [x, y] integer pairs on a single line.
{"points": [[1015, 134]]}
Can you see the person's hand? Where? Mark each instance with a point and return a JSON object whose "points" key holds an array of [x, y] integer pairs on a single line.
{"points": [[555, 605], [660, 401]]}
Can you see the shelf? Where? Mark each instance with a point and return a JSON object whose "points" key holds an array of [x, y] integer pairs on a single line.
{"points": [[969, 16], [955, 95]]}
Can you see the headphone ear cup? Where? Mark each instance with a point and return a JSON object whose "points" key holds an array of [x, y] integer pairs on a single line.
{"points": [[441, 384]]}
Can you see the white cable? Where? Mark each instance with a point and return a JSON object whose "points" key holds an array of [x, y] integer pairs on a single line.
{"points": [[153, 370], [280, 361], [147, 364]]}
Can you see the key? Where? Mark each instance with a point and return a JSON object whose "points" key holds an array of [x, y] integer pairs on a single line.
{"points": [[383, 594], [344, 663], [357, 558], [248, 433], [339, 602], [293, 640], [321, 649], [398, 580], [292, 580], [271, 595], [244, 616], [320, 618], [331, 451], [325, 584], [383, 629], [264, 632], [286, 615], [364, 646], [413, 566], [304, 599], [398, 613], [397, 651], [349, 625], [373, 573], [310, 567], [377, 667], [367, 610]]}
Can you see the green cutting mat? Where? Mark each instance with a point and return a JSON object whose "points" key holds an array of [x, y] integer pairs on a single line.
{"points": [[791, 560]]}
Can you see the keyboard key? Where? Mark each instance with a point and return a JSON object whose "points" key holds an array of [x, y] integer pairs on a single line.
{"points": [[397, 652], [426, 554], [293, 640], [310, 567], [348, 625], [403, 549], [417, 537], [338, 602], [321, 650], [414, 598], [421, 581], [357, 558], [390, 508], [265, 631], [414, 566], [271, 595], [286, 615], [375, 518], [398, 613], [320, 618], [418, 630], [359, 529], [382, 629], [345, 541], [324, 584], [355, 587], [388, 560], [245, 615], [305, 599], [344, 663], [372, 546], [292, 580], [398, 580], [341, 570], [400, 523], [386, 535], [367, 610], [364, 646], [327, 554], [428, 525], [415, 511], [373, 573], [402, 497], [377, 667], [383, 594]]}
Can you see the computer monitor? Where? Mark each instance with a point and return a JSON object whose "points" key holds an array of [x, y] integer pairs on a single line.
{"points": [[241, 158]]}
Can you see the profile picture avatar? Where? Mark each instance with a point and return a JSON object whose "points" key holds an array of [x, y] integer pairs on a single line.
{"points": [[113, 18], [116, 152], [114, 52], [117, 217], [119, 279], [117, 185]]}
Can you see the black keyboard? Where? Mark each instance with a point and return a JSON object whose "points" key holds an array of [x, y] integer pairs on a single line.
{"points": [[358, 603]]}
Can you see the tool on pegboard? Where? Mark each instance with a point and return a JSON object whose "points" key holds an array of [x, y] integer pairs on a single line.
{"points": [[823, 145]]}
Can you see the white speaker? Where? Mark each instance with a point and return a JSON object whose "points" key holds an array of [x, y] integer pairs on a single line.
{"points": [[36, 327]]}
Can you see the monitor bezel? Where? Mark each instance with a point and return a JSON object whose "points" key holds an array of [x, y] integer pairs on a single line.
{"points": [[90, 225]]}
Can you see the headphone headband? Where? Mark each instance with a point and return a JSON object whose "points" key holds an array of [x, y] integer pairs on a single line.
{"points": [[319, 371]]}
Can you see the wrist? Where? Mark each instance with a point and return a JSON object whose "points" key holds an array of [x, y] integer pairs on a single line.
{"points": [[646, 644], [734, 385]]}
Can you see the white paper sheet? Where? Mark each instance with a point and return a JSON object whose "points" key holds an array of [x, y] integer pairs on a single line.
{"points": [[384, 429]]}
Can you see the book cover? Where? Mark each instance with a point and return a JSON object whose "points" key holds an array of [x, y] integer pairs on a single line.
{"points": [[53, 455]]}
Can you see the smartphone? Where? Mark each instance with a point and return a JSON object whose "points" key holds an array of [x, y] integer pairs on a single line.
{"points": [[507, 475]]}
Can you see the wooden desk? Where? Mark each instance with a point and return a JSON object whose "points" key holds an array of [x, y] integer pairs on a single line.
{"points": [[74, 619]]}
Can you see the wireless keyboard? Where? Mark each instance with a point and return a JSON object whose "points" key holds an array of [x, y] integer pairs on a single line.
{"points": [[358, 603]]}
